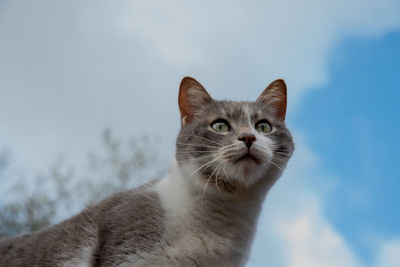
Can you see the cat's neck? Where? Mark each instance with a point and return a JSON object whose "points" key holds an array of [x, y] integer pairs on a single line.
{"points": [[224, 222], [182, 194]]}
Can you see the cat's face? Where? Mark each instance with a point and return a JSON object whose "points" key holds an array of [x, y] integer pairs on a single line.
{"points": [[232, 145]]}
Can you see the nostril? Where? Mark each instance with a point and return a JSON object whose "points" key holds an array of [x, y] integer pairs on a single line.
{"points": [[248, 139]]}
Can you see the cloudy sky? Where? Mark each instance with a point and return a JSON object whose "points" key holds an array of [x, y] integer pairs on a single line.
{"points": [[68, 69]]}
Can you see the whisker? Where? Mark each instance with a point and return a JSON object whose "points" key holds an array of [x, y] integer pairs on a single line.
{"points": [[206, 165], [286, 168], [276, 165], [225, 166], [197, 158], [281, 157], [205, 187], [286, 159], [216, 177], [228, 146]]}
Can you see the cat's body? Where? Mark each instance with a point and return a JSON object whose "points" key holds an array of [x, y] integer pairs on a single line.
{"points": [[203, 213]]}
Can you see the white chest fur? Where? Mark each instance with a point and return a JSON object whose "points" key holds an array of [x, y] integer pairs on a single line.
{"points": [[198, 232]]}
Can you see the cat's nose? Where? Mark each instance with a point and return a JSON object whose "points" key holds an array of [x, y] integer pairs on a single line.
{"points": [[248, 139]]}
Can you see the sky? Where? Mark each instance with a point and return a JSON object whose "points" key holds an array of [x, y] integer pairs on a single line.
{"points": [[68, 69]]}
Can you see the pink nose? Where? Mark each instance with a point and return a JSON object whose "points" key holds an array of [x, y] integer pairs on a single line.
{"points": [[248, 139]]}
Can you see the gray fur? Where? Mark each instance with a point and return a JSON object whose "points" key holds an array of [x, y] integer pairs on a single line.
{"points": [[203, 217], [125, 223], [195, 141]]}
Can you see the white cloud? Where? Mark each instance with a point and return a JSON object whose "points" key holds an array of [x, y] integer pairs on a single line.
{"points": [[70, 68], [293, 232], [292, 225], [389, 254], [259, 40], [311, 241], [304, 238]]}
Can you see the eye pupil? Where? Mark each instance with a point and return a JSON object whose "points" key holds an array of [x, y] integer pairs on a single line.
{"points": [[263, 126], [220, 126]]}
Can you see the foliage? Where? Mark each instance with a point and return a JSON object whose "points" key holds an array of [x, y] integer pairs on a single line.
{"points": [[64, 190]]}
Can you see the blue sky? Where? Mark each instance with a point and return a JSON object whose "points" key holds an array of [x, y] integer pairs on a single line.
{"points": [[68, 69], [353, 122]]}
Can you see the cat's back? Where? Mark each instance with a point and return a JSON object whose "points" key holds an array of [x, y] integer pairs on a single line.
{"points": [[68, 241], [102, 235], [131, 222]]}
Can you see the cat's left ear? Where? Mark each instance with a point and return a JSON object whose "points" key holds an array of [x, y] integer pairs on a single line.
{"points": [[192, 96], [274, 97]]}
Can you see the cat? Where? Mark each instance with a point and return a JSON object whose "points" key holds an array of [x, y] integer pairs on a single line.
{"points": [[204, 212]]}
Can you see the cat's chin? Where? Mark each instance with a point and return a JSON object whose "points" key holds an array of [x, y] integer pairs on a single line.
{"points": [[247, 159], [247, 172], [243, 172], [247, 164], [246, 168]]}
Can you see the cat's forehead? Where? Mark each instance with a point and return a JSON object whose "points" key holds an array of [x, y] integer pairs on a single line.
{"points": [[238, 111]]}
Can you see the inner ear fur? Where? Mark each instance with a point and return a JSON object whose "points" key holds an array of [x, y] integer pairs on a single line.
{"points": [[274, 97], [192, 95]]}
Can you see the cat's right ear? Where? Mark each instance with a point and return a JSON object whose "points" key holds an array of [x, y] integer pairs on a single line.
{"points": [[192, 96], [274, 97]]}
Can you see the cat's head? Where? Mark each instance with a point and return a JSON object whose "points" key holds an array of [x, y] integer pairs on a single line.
{"points": [[232, 145]]}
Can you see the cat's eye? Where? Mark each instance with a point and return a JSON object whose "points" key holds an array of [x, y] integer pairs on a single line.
{"points": [[263, 126], [220, 126]]}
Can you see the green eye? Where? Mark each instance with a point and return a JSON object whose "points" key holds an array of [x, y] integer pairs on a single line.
{"points": [[220, 126], [263, 126]]}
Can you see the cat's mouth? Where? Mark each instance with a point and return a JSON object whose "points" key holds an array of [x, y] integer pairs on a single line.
{"points": [[247, 157]]}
